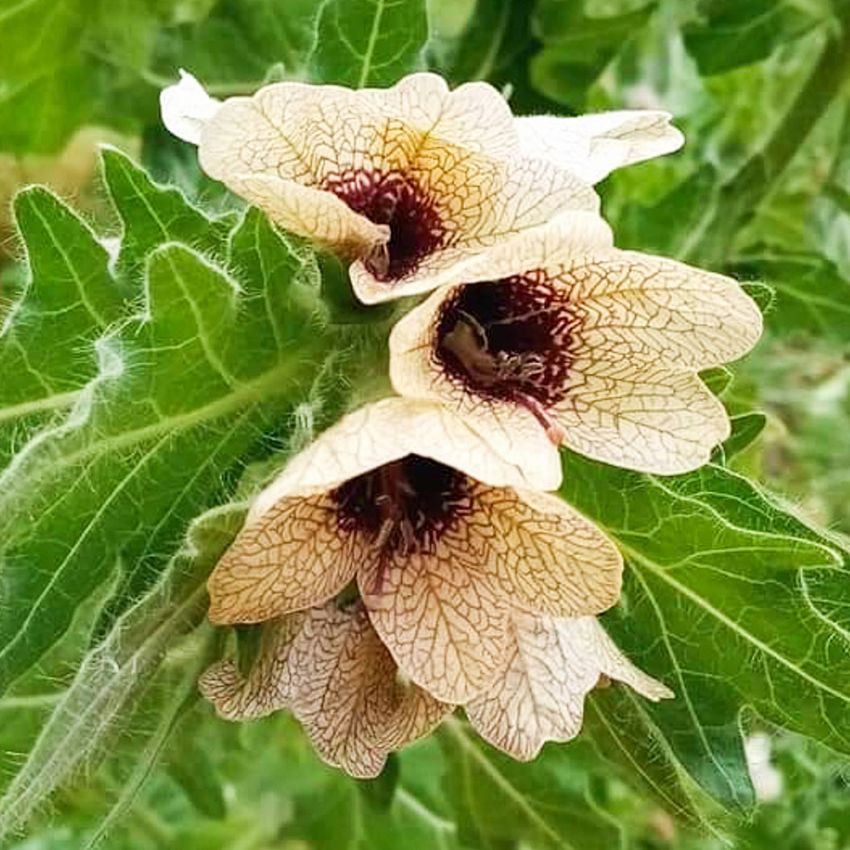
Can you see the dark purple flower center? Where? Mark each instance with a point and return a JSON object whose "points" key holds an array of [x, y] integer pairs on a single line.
{"points": [[509, 340], [405, 505], [397, 200]]}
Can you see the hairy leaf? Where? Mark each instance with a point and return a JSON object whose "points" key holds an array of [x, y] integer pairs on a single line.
{"points": [[47, 339], [202, 374], [725, 602]]}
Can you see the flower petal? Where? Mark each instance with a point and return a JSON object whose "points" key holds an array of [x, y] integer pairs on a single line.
{"points": [[640, 417], [473, 116], [592, 146], [346, 693], [510, 430], [485, 205], [442, 622], [267, 687], [546, 557], [186, 108], [554, 664], [382, 432], [640, 307], [311, 212], [453, 156], [292, 557]]}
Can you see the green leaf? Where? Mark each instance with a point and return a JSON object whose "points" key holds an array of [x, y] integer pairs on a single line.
{"points": [[47, 340], [717, 379], [626, 738], [577, 48], [811, 297], [369, 42], [718, 573], [745, 429], [339, 813], [82, 728], [151, 215], [233, 48], [499, 802], [65, 65], [731, 34], [187, 388]]}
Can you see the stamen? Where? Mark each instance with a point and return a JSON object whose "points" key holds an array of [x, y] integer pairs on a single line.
{"points": [[402, 507], [509, 340]]}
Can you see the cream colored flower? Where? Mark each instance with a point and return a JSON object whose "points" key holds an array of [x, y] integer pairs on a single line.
{"points": [[552, 665], [598, 347], [444, 538], [331, 670], [329, 667], [409, 182]]}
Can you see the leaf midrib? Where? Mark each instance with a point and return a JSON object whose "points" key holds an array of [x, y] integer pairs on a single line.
{"points": [[255, 390]]}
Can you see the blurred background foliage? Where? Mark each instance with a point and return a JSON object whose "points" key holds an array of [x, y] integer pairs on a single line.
{"points": [[762, 190]]}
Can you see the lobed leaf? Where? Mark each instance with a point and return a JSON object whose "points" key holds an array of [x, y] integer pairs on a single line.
{"points": [[725, 602], [187, 388], [47, 339]]}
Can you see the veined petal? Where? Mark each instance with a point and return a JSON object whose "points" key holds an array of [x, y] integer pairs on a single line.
{"points": [[382, 432], [639, 417], [186, 108], [636, 306], [311, 212], [330, 668], [592, 146], [546, 557], [510, 430], [563, 237], [346, 693], [291, 557], [439, 169], [553, 665], [484, 205], [473, 116], [443, 623], [267, 687]]}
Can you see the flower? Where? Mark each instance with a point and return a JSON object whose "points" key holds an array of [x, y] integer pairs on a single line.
{"points": [[409, 182], [553, 664], [443, 537], [600, 347], [329, 667]]}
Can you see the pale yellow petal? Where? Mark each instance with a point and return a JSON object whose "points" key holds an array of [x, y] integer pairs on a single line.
{"points": [[379, 433], [546, 557], [301, 132], [592, 146], [443, 623], [346, 693], [486, 206], [267, 687], [554, 664], [640, 307], [473, 116], [311, 212], [511, 431], [290, 558], [561, 239], [640, 417], [444, 155], [611, 660]]}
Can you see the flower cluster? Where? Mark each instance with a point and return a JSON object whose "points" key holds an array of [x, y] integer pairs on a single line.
{"points": [[411, 560]]}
